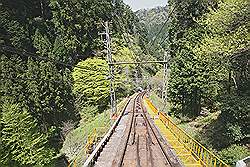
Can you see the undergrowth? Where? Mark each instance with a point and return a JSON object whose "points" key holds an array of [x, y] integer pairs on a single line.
{"points": [[73, 146]]}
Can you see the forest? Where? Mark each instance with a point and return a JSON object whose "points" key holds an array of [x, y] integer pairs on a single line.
{"points": [[54, 73]]}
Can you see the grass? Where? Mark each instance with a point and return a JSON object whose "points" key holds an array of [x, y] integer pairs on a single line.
{"points": [[159, 103], [193, 127], [77, 139]]}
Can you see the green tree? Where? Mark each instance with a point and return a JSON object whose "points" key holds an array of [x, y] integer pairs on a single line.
{"points": [[22, 143], [188, 75], [37, 39], [225, 49], [91, 86]]}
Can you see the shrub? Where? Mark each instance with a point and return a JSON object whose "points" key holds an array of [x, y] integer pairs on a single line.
{"points": [[21, 141], [234, 117], [233, 154]]}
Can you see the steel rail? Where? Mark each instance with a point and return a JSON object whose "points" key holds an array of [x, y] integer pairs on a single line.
{"points": [[120, 161], [138, 163], [149, 140], [150, 157], [132, 134], [133, 127], [170, 162], [94, 155]]}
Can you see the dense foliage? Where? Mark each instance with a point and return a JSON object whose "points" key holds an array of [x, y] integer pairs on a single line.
{"points": [[234, 153], [40, 43], [154, 23], [22, 143], [95, 90], [209, 48], [54, 74]]}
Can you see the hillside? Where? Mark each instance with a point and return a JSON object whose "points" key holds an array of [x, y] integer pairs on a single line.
{"points": [[153, 20]]}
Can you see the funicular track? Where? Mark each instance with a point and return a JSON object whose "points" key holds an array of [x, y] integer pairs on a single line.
{"points": [[135, 142]]}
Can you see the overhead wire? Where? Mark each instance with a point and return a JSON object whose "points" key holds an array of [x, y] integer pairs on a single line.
{"points": [[144, 45], [160, 45], [33, 79], [143, 42], [127, 34], [33, 55], [159, 32], [29, 54], [162, 27], [124, 33], [165, 38], [123, 36], [145, 48]]}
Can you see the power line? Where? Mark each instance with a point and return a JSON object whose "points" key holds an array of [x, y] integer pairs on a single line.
{"points": [[143, 42], [29, 54], [145, 47], [120, 63], [123, 36], [161, 43], [32, 79], [164, 24], [142, 62], [126, 33]]}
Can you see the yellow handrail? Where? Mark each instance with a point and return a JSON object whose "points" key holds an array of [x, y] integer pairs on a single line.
{"points": [[87, 147], [91, 139], [203, 155]]}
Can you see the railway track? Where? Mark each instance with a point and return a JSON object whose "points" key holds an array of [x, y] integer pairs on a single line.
{"points": [[142, 146], [135, 142]]}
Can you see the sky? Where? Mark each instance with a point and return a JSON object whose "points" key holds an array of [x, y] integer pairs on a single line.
{"points": [[144, 4]]}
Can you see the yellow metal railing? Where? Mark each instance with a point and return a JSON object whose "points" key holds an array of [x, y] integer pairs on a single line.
{"points": [[203, 155], [87, 148], [92, 139]]}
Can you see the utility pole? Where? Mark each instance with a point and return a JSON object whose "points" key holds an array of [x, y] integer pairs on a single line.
{"points": [[136, 77], [164, 86], [147, 82], [111, 69], [127, 74]]}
